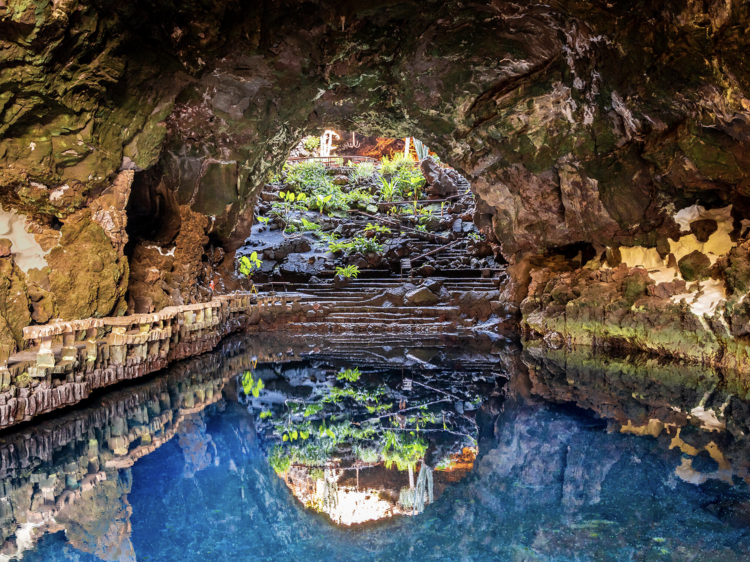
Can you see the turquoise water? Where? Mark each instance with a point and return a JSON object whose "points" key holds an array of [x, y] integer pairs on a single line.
{"points": [[552, 481]]}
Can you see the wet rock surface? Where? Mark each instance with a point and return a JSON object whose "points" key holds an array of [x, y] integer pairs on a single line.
{"points": [[598, 131]]}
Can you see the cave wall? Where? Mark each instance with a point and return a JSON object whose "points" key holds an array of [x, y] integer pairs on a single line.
{"points": [[589, 123]]}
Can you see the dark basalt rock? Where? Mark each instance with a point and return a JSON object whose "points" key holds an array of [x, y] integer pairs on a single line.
{"points": [[441, 182], [422, 296], [703, 229]]}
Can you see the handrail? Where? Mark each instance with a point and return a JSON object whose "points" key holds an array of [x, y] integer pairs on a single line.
{"points": [[333, 161]]}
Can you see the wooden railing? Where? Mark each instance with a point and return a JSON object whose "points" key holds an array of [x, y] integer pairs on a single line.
{"points": [[334, 161]]}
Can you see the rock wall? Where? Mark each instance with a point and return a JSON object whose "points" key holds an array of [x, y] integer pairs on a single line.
{"points": [[584, 127]]}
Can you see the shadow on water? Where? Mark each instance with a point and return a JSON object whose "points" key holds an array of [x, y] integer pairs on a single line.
{"points": [[316, 450]]}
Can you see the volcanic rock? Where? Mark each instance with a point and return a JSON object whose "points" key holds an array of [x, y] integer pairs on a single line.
{"points": [[694, 266]]}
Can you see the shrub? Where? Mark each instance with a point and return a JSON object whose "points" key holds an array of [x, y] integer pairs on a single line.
{"points": [[308, 177], [248, 264], [311, 143], [362, 172], [328, 199], [350, 271], [391, 166]]}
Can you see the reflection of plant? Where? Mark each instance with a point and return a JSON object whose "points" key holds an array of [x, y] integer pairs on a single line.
{"points": [[405, 450], [250, 386], [280, 461], [247, 264], [351, 375], [368, 455], [350, 271], [312, 409], [311, 143]]}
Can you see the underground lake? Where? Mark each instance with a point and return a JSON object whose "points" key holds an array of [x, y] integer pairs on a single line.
{"points": [[470, 449]]}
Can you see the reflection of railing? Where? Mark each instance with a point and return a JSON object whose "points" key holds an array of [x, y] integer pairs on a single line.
{"points": [[334, 161], [70, 359]]}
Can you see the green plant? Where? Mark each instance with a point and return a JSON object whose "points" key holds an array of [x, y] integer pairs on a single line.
{"points": [[351, 375], [320, 201], [421, 228], [248, 264], [358, 197], [266, 414], [358, 244], [263, 220], [362, 172], [308, 176], [350, 271], [421, 150], [390, 166], [309, 226], [290, 203], [311, 143], [389, 190], [475, 236], [377, 228]]}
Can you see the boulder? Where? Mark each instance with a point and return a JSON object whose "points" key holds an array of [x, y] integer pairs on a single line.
{"points": [[5, 247], [694, 266], [478, 304], [340, 281], [442, 182], [422, 296], [424, 271], [703, 229], [341, 179]]}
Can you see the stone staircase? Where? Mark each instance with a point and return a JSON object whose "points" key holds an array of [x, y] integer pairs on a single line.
{"points": [[349, 310]]}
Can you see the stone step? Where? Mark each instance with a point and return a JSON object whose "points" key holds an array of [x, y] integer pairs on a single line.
{"points": [[430, 311], [442, 328], [378, 318]]}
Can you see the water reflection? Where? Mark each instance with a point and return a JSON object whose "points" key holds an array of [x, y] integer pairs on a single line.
{"points": [[361, 444], [537, 454], [694, 409]]}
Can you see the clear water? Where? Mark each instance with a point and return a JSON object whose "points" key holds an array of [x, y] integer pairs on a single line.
{"points": [[552, 480]]}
